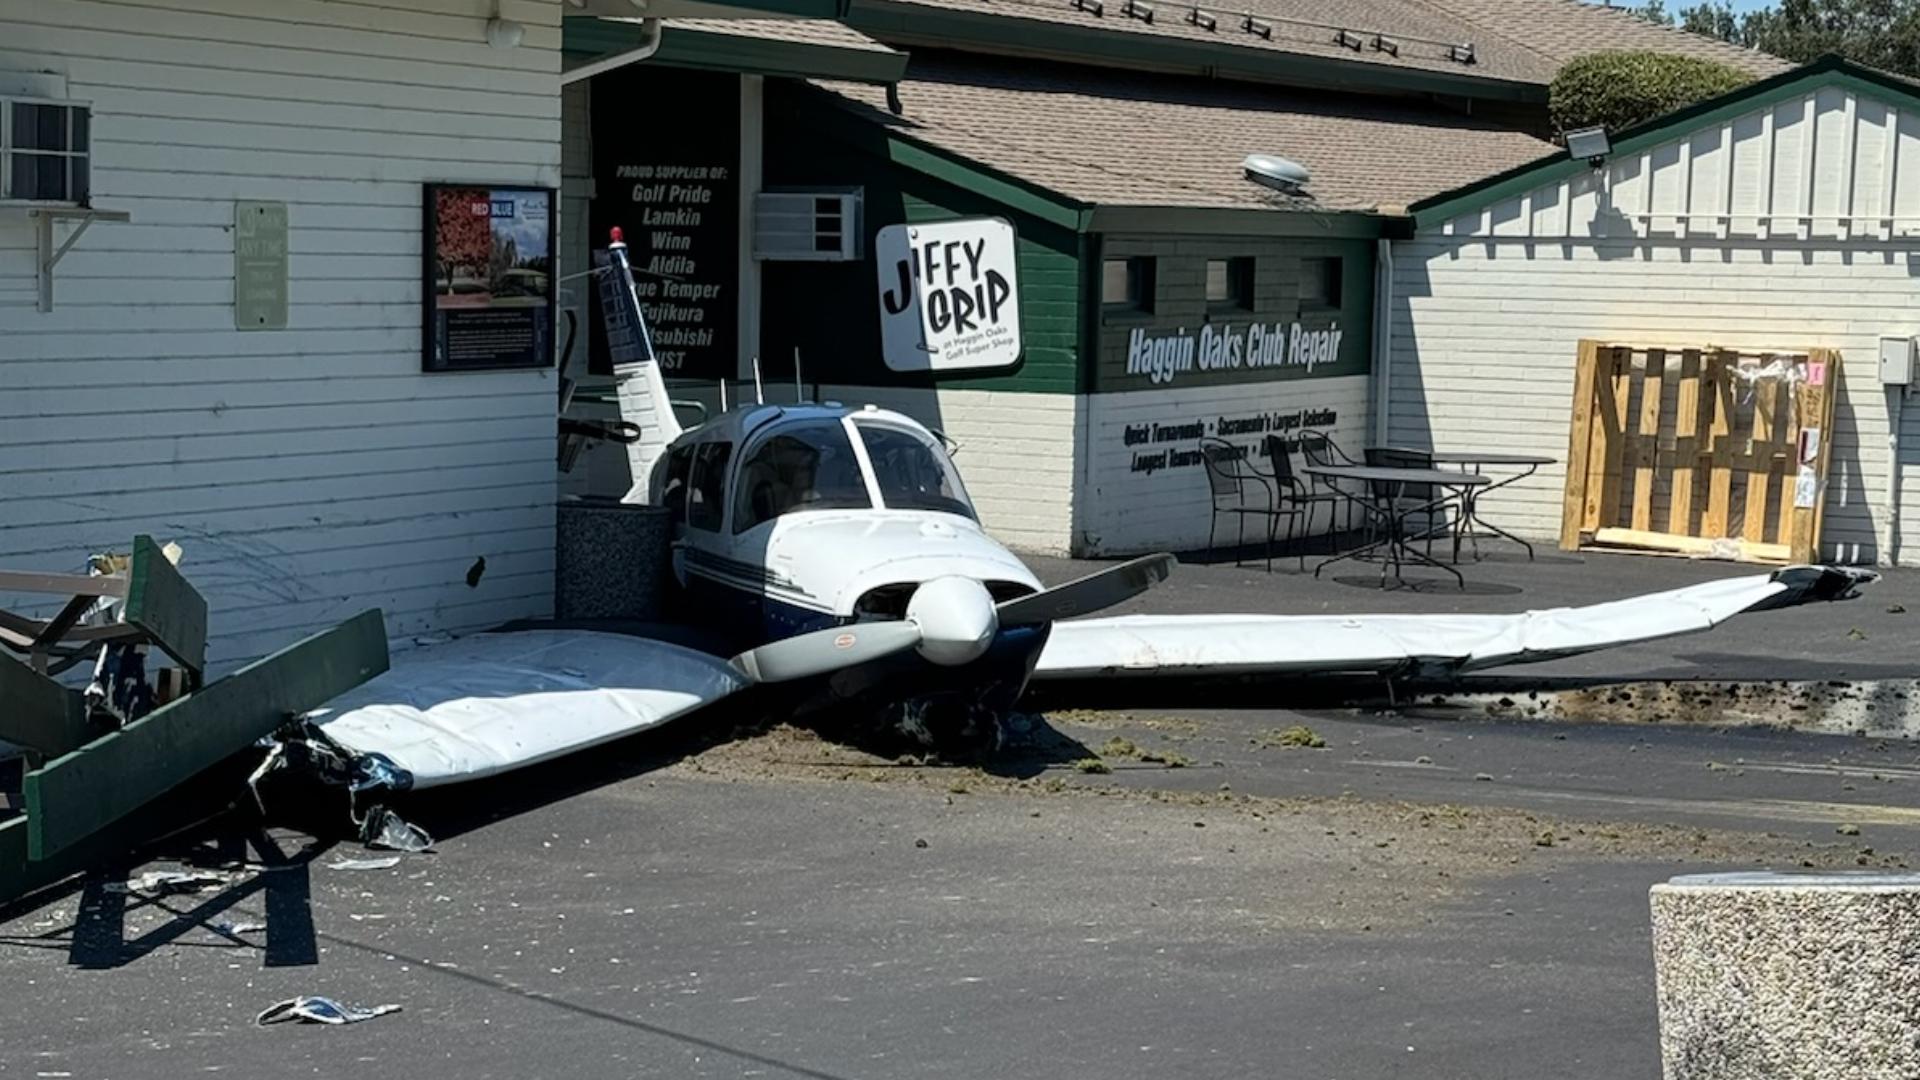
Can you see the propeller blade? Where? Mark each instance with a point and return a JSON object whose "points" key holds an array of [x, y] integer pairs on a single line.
{"points": [[824, 651], [1088, 594]]}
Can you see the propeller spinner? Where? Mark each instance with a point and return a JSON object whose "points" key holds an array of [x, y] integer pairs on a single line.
{"points": [[951, 620]]}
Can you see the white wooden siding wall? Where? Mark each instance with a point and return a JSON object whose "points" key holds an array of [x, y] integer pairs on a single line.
{"points": [[1794, 226], [309, 472], [576, 195]]}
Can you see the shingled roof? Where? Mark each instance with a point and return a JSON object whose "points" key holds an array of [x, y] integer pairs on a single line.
{"points": [[1112, 138], [1514, 41]]}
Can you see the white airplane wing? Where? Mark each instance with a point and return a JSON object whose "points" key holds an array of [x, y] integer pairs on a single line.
{"points": [[488, 703], [1428, 644]]}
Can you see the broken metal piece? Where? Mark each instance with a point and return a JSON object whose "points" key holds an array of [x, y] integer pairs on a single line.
{"points": [[386, 862], [163, 882], [319, 1010], [386, 829]]}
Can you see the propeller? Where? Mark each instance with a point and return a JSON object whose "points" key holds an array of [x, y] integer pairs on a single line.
{"points": [[1089, 594], [951, 620]]}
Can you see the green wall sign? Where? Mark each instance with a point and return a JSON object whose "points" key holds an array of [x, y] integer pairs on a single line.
{"points": [[260, 266]]}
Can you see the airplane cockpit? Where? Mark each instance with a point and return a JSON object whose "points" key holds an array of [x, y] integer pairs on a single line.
{"points": [[799, 458]]}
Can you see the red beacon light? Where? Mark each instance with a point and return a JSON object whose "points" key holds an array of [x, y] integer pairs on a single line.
{"points": [[619, 237]]}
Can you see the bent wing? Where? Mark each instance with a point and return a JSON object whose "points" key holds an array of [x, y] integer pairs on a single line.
{"points": [[1429, 644], [488, 703]]}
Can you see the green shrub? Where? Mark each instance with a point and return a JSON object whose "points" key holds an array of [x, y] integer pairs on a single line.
{"points": [[1619, 90]]}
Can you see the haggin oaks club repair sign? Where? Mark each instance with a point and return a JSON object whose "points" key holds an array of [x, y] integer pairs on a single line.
{"points": [[949, 295]]}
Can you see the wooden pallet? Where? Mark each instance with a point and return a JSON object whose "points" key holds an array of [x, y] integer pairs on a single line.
{"points": [[1672, 450]]}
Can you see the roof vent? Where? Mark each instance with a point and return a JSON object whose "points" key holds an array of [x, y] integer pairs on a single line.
{"points": [[1092, 7], [1136, 10], [1257, 28], [1386, 45], [1350, 39], [1461, 53], [1203, 20], [1278, 173]]}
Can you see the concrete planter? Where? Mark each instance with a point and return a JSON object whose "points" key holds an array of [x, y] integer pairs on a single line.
{"points": [[610, 560], [1788, 976]]}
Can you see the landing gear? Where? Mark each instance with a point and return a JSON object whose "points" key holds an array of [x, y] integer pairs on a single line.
{"points": [[953, 726]]}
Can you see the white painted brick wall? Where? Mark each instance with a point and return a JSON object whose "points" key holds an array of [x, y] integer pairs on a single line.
{"points": [[1126, 512]]}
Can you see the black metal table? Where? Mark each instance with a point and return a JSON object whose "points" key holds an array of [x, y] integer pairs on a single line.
{"points": [[1470, 497], [1382, 495]]}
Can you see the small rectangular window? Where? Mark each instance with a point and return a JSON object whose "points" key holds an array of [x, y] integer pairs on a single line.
{"points": [[707, 494], [1230, 283], [1127, 283], [43, 152], [1320, 282]]}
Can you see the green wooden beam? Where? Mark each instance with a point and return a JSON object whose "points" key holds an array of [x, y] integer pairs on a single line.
{"points": [[40, 714], [77, 795], [162, 604]]}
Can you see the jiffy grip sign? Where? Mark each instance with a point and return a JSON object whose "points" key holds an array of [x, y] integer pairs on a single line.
{"points": [[949, 295]]}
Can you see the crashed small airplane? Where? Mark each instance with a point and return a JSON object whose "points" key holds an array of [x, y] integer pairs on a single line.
{"points": [[836, 551]]}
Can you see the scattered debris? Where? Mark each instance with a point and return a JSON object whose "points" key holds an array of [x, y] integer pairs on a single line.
{"points": [[1545, 839], [1483, 776], [1856, 634], [385, 862], [386, 829], [319, 1010], [1849, 829], [162, 882], [1172, 759], [1896, 609], [1298, 735], [236, 927], [920, 842], [1093, 765], [1120, 746]]}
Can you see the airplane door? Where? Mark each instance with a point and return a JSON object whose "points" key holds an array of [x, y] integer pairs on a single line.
{"points": [[725, 591]]}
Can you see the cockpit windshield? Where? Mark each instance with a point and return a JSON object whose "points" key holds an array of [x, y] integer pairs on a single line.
{"points": [[802, 466], [913, 472]]}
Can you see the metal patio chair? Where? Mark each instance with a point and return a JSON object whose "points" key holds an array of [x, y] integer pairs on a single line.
{"points": [[1301, 493], [1318, 448], [1237, 488], [1410, 498]]}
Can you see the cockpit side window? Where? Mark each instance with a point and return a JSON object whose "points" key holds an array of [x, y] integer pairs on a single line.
{"points": [[673, 482], [707, 490], [802, 466], [913, 472]]}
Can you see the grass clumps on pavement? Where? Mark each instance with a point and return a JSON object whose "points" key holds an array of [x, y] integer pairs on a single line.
{"points": [[1092, 766], [1298, 736]]}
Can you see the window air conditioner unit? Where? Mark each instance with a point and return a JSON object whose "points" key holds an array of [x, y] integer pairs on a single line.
{"points": [[812, 225], [44, 155]]}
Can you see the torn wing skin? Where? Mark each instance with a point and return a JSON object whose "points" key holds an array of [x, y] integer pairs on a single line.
{"points": [[1442, 644]]}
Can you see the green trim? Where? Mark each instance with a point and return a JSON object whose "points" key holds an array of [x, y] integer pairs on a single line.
{"points": [[1006, 34], [1050, 206], [1828, 71], [1237, 221], [587, 40], [91, 789]]}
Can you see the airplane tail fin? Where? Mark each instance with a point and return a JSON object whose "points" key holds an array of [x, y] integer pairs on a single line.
{"points": [[638, 382]]}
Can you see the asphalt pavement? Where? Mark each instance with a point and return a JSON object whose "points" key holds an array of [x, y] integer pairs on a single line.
{"points": [[1170, 890]]}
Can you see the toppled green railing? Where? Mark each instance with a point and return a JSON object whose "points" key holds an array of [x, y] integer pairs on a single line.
{"points": [[86, 786]]}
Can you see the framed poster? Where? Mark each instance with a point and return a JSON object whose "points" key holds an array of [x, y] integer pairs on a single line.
{"points": [[489, 261]]}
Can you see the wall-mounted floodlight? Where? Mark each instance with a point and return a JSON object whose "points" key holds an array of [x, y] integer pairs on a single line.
{"points": [[1590, 143]]}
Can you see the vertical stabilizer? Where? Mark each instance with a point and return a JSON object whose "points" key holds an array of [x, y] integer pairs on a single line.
{"points": [[638, 382]]}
